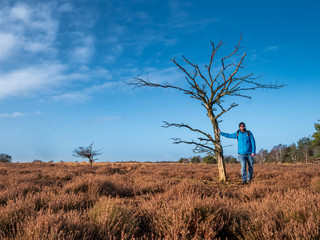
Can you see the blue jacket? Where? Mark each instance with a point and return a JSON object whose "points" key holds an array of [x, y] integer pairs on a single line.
{"points": [[246, 144]]}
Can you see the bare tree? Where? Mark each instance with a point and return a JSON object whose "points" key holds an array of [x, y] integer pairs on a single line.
{"points": [[262, 155], [278, 152], [211, 89], [87, 152]]}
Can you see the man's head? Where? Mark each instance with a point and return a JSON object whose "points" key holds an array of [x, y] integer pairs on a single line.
{"points": [[242, 126]]}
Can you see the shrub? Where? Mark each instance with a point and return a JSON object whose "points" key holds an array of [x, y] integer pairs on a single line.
{"points": [[196, 159], [114, 218], [230, 159], [315, 184], [209, 160], [183, 160], [62, 225], [5, 157]]}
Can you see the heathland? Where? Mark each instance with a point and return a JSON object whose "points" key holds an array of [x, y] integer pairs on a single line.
{"points": [[158, 201]]}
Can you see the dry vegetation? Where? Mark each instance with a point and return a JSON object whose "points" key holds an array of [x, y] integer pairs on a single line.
{"points": [[157, 201]]}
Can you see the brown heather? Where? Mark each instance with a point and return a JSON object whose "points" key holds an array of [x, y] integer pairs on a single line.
{"points": [[157, 201]]}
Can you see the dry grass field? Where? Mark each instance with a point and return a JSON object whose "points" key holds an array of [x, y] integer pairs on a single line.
{"points": [[157, 201]]}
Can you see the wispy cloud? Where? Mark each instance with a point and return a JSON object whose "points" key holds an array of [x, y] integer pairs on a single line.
{"points": [[78, 96], [146, 30], [29, 54], [86, 93], [7, 45], [170, 74], [272, 48], [34, 79], [19, 114], [27, 29], [84, 48], [180, 18], [41, 56]]}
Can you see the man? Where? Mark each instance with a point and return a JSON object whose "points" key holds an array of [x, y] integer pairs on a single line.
{"points": [[246, 150]]}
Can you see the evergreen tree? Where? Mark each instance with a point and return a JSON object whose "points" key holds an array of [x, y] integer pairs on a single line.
{"points": [[316, 139]]}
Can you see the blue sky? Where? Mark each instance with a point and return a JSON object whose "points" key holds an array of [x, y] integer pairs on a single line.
{"points": [[64, 63]]}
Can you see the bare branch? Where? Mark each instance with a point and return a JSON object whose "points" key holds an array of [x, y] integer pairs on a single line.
{"points": [[198, 70], [226, 110], [139, 82], [199, 147], [188, 127], [200, 90], [231, 54]]}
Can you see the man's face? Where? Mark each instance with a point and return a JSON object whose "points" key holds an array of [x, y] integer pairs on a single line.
{"points": [[242, 127]]}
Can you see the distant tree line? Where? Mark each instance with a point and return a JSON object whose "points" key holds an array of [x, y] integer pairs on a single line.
{"points": [[305, 150], [207, 159]]}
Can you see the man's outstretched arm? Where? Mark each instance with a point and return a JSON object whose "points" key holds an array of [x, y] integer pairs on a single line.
{"points": [[228, 135], [253, 144]]}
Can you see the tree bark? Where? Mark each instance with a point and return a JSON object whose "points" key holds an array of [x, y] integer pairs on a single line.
{"points": [[218, 147], [221, 164]]}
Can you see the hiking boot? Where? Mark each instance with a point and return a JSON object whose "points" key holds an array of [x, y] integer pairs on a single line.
{"points": [[243, 183]]}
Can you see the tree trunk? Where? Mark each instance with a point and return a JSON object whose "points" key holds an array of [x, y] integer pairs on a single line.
{"points": [[218, 148], [221, 164], [306, 156]]}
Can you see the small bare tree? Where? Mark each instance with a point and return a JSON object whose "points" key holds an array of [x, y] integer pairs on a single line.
{"points": [[87, 152], [211, 90]]}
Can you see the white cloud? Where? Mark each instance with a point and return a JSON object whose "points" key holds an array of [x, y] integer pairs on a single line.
{"points": [[35, 79], [19, 114], [21, 12], [29, 51], [84, 50], [7, 44], [30, 39], [82, 53], [27, 29]]}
